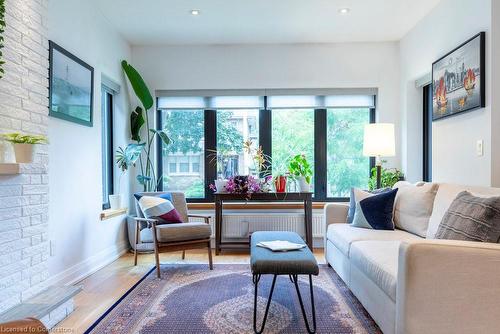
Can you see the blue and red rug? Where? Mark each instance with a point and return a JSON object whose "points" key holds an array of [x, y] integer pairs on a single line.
{"points": [[192, 299]]}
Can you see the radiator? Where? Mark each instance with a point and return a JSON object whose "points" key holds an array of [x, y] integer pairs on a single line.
{"points": [[239, 225]]}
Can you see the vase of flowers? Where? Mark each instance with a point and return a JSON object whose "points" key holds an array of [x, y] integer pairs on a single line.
{"points": [[220, 186], [280, 183]]}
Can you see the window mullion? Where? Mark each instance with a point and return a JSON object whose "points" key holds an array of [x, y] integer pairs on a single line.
{"points": [[320, 131], [265, 132], [210, 148]]}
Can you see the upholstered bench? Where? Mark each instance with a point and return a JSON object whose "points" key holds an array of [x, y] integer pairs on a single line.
{"points": [[292, 263]]}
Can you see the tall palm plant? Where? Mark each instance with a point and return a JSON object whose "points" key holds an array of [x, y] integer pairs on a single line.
{"points": [[141, 149]]}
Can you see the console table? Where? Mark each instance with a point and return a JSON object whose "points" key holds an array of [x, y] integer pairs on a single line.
{"points": [[220, 198]]}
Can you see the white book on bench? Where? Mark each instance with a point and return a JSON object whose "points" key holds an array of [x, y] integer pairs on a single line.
{"points": [[280, 245]]}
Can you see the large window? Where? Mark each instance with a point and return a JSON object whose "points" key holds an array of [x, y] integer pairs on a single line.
{"points": [[292, 134], [183, 159], [234, 127], [209, 131], [346, 165], [107, 145]]}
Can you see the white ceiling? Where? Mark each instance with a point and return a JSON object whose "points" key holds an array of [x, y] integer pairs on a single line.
{"points": [[155, 22]]}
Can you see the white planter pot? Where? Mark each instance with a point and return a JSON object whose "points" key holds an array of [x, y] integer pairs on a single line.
{"points": [[24, 153], [303, 185], [220, 185], [115, 202]]}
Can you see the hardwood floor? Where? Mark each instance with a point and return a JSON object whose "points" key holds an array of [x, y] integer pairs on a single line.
{"points": [[103, 288]]}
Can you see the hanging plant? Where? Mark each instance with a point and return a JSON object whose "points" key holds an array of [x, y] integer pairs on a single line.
{"points": [[2, 30]]}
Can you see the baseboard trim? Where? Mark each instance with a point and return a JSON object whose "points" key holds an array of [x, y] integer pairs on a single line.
{"points": [[89, 266]]}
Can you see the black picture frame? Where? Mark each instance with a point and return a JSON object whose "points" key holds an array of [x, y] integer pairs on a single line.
{"points": [[461, 99], [58, 90]]}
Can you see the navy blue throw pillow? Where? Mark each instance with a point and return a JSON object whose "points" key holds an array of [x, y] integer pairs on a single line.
{"points": [[375, 212]]}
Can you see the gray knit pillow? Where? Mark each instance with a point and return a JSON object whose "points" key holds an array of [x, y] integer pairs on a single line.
{"points": [[471, 218]]}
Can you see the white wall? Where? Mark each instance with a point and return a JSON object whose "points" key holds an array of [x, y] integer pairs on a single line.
{"points": [[454, 156], [277, 66], [82, 241]]}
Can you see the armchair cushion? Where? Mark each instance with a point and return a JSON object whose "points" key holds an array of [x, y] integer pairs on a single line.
{"points": [[183, 232], [160, 208]]}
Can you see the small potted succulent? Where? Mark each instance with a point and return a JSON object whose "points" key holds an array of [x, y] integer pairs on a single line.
{"points": [[300, 169], [23, 145]]}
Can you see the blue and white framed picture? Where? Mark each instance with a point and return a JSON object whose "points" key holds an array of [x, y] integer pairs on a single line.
{"points": [[71, 87]]}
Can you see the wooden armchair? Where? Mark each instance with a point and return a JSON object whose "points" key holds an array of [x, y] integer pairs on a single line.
{"points": [[174, 237]]}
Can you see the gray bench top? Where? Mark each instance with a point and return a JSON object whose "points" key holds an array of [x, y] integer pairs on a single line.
{"points": [[265, 261]]}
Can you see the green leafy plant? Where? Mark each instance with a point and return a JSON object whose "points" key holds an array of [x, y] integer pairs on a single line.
{"points": [[2, 30], [299, 166], [141, 150], [389, 177], [19, 138]]}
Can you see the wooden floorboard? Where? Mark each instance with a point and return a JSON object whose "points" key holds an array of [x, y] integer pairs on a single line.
{"points": [[102, 289]]}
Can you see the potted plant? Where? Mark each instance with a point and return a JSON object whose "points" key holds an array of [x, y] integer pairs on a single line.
{"points": [[125, 158], [300, 169], [23, 145], [389, 177]]}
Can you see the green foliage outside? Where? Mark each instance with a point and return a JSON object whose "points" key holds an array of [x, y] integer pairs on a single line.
{"points": [[346, 165], [292, 134]]}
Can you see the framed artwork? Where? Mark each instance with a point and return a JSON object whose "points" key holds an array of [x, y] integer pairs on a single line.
{"points": [[71, 87], [458, 79]]}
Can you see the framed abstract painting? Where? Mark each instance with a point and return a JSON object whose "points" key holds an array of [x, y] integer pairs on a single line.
{"points": [[71, 86], [458, 79]]}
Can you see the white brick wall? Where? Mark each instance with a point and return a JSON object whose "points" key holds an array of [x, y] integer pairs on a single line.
{"points": [[24, 246]]}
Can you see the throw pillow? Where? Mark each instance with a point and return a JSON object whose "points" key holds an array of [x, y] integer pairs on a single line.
{"points": [[413, 206], [375, 212], [471, 218], [160, 208], [356, 196]]}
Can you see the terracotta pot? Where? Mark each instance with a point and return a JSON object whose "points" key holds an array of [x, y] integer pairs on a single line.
{"points": [[280, 184], [24, 153]]}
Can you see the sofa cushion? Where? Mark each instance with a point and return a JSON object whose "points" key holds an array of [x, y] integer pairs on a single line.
{"points": [[446, 194], [471, 218], [358, 195], [413, 206], [379, 261], [343, 235], [375, 212], [183, 232]]}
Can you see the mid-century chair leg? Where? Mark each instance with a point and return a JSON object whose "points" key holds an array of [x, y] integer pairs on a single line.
{"points": [[183, 254], [210, 257], [157, 260], [136, 239]]}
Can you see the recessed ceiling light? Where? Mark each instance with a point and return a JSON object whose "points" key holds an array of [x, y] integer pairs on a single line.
{"points": [[195, 12], [344, 10]]}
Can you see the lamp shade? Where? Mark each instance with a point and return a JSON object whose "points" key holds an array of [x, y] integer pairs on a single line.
{"points": [[379, 140]]}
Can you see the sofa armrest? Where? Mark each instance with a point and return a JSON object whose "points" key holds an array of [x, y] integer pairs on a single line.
{"points": [[448, 286], [335, 213]]}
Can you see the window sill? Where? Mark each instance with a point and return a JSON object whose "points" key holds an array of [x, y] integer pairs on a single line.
{"points": [[255, 206], [109, 213]]}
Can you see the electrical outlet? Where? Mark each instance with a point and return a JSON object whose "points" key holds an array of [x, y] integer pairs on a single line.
{"points": [[480, 148]]}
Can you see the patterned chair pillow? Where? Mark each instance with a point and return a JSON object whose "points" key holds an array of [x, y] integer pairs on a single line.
{"points": [[160, 208], [471, 218]]}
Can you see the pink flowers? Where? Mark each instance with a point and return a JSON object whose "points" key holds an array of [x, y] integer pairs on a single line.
{"points": [[246, 185]]}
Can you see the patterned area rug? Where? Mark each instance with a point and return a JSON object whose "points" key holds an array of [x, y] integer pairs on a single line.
{"points": [[192, 299]]}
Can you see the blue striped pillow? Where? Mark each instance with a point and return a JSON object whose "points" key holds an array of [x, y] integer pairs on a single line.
{"points": [[160, 208]]}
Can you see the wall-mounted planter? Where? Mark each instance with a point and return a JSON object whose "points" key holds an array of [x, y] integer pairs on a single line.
{"points": [[9, 168], [24, 153]]}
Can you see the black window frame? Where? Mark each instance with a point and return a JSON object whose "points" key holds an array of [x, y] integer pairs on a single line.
{"points": [[265, 140], [427, 133], [107, 105]]}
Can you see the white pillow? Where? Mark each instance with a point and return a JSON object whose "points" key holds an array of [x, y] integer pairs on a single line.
{"points": [[413, 206]]}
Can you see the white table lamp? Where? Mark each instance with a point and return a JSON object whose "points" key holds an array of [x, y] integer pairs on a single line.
{"points": [[379, 141]]}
